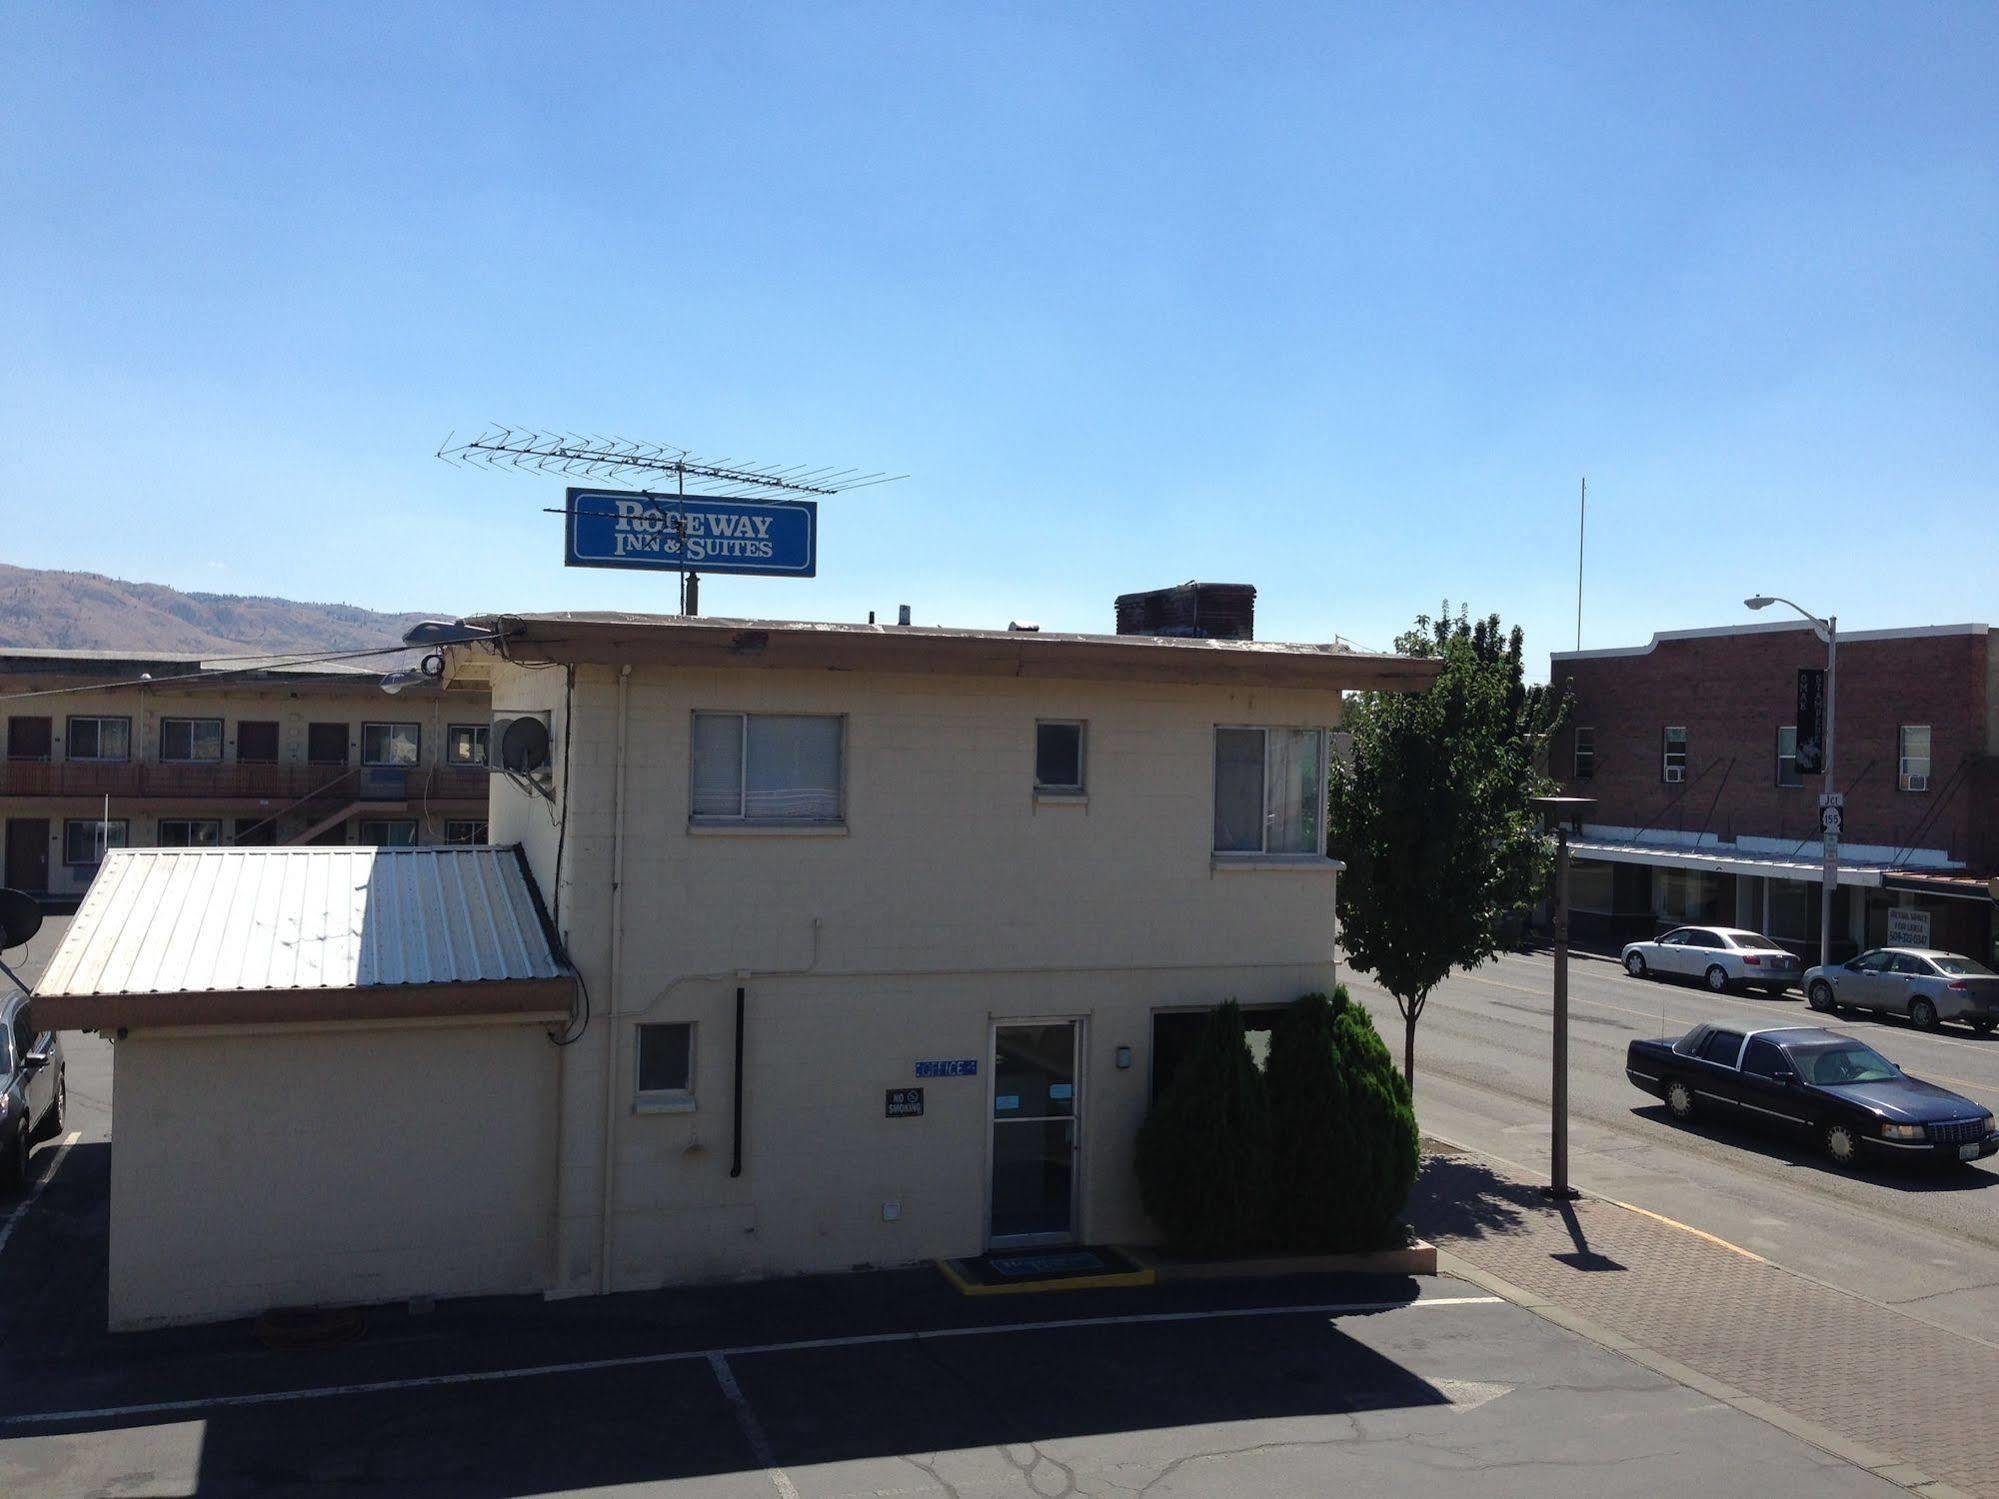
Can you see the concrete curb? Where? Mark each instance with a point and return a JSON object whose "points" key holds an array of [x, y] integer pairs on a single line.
{"points": [[1418, 1258]]}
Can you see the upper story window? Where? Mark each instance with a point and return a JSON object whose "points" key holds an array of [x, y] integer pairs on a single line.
{"points": [[1787, 756], [1585, 753], [1058, 758], [190, 832], [465, 744], [465, 830], [84, 839], [29, 738], [1673, 759], [99, 739], [257, 742], [191, 739], [771, 768], [1912, 758], [326, 744], [391, 743], [1270, 791]]}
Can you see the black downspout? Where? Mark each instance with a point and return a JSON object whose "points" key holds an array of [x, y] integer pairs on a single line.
{"points": [[736, 1140]]}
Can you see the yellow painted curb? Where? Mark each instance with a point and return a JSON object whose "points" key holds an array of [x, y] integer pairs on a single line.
{"points": [[964, 1287]]}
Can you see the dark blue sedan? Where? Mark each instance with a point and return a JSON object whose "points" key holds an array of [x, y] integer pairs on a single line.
{"points": [[1841, 1091]]}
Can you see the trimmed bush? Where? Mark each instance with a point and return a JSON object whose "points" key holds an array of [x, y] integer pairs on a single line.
{"points": [[1381, 1143], [1344, 1148], [1204, 1151], [1309, 1159]]}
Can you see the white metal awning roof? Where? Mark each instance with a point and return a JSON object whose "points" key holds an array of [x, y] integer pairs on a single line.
{"points": [[1714, 859], [191, 936]]}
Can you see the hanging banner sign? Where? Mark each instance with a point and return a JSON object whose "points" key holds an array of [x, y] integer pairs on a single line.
{"points": [[637, 529], [1811, 721]]}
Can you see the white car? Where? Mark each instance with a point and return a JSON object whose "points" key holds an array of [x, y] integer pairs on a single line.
{"points": [[1722, 957]]}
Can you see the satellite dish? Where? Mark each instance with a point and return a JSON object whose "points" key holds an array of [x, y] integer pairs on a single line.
{"points": [[524, 745], [20, 917]]}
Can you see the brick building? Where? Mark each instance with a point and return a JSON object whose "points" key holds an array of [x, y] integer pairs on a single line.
{"points": [[1689, 744]]}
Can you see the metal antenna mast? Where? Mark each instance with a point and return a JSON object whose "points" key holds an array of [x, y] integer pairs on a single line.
{"points": [[587, 456]]}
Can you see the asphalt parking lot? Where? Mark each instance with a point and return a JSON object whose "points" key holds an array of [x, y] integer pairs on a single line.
{"points": [[879, 1384]]}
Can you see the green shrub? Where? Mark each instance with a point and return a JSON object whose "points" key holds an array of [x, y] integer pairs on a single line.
{"points": [[1204, 1151], [1380, 1144], [1309, 1163]]}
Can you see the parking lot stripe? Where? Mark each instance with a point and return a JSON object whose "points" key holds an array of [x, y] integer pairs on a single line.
{"points": [[644, 1360], [21, 1208], [753, 1429]]}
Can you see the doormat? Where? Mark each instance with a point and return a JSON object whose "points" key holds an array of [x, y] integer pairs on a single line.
{"points": [[1085, 1267]]}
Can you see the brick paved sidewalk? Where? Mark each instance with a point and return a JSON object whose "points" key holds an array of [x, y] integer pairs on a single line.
{"points": [[1864, 1371]]}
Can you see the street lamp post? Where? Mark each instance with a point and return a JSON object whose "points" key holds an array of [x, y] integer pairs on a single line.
{"points": [[1826, 629], [1560, 811]]}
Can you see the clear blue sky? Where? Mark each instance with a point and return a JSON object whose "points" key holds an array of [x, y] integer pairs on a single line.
{"points": [[1340, 301]]}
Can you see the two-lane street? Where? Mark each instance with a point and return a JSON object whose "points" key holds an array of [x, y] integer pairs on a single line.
{"points": [[1924, 1242]]}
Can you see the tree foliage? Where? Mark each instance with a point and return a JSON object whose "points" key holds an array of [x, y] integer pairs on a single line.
{"points": [[1204, 1150], [1433, 813], [1344, 1134]]}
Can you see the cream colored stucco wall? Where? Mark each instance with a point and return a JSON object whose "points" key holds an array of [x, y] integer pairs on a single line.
{"points": [[952, 898], [289, 1168]]}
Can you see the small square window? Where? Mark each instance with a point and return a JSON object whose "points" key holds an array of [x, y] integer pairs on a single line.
{"points": [[465, 830], [1058, 758], [666, 1067], [465, 744]]}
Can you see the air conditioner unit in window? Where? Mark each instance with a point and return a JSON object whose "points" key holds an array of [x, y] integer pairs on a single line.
{"points": [[1676, 772], [518, 744], [1915, 783]]}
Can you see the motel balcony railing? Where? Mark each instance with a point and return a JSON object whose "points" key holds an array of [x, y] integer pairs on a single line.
{"points": [[121, 779]]}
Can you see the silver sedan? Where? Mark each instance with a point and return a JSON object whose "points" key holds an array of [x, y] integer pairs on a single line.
{"points": [[1922, 983], [1722, 957]]}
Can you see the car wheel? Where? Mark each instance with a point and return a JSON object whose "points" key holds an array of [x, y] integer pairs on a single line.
{"points": [[1821, 998], [1717, 979], [1680, 1100], [1922, 1014], [1634, 964], [52, 1120], [1842, 1144], [1983, 1025]]}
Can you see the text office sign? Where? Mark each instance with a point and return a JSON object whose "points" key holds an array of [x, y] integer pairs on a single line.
{"points": [[632, 528]]}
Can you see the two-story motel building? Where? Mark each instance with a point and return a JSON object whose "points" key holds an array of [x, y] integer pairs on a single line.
{"points": [[793, 868]]}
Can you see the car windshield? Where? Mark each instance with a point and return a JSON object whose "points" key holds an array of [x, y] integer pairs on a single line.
{"points": [[1752, 940], [1963, 967], [1845, 1062]]}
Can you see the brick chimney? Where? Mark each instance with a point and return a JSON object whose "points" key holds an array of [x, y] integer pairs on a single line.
{"points": [[1202, 611]]}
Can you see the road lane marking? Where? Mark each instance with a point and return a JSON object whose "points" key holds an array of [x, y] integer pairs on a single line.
{"points": [[752, 1429], [21, 1208], [745, 1350]]}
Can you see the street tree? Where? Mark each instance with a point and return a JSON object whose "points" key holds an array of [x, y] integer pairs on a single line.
{"points": [[1433, 812]]}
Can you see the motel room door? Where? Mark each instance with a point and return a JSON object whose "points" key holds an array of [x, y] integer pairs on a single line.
{"points": [[28, 854], [1036, 1125]]}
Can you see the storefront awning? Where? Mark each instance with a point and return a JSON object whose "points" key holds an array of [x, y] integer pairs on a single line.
{"points": [[254, 936], [1714, 859]]}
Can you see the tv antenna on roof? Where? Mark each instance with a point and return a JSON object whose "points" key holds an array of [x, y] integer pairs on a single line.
{"points": [[589, 456]]}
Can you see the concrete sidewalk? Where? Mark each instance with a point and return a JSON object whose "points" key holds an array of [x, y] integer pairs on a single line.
{"points": [[1902, 1398]]}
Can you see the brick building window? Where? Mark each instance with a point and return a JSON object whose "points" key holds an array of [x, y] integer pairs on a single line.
{"points": [[1912, 758], [1585, 754], [1673, 760], [1787, 756]]}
